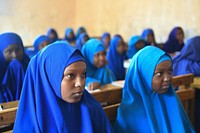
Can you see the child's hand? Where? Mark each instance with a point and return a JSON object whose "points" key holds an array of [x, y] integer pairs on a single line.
{"points": [[94, 85]]}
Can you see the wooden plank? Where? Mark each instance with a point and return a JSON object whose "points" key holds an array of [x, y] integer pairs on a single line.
{"points": [[7, 116], [111, 111], [183, 80], [9, 104]]}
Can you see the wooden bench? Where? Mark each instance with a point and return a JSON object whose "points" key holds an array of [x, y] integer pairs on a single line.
{"points": [[7, 115], [110, 96]]}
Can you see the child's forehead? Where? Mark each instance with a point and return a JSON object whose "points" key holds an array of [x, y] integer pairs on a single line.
{"points": [[164, 64]]}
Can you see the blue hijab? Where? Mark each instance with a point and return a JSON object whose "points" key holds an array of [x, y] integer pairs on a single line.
{"points": [[41, 108], [67, 32], [172, 45], [105, 34], [145, 33], [79, 41], [40, 39], [11, 73], [141, 109], [188, 61], [102, 75], [115, 60], [132, 50], [80, 31], [52, 31]]}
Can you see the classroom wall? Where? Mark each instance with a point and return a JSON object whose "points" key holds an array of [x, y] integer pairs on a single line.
{"points": [[30, 18], [126, 17]]}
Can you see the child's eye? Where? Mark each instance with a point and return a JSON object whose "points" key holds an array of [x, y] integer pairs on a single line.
{"points": [[70, 76], [158, 74], [170, 71], [83, 75]]}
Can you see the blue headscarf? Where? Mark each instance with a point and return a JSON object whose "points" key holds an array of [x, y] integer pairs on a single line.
{"points": [[52, 31], [188, 61], [79, 41], [105, 34], [40, 39], [132, 50], [116, 60], [172, 45], [102, 75], [67, 32], [11, 73], [41, 107], [141, 109], [145, 33], [80, 31]]}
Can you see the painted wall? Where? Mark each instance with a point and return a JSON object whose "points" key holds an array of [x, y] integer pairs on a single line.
{"points": [[127, 17]]}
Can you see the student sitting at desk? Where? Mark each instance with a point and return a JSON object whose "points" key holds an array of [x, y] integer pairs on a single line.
{"points": [[149, 37], [52, 35], [98, 72], [106, 40], [54, 99], [69, 36], [149, 102], [116, 57], [79, 31], [13, 66], [135, 44], [175, 41], [188, 60], [83, 38]]}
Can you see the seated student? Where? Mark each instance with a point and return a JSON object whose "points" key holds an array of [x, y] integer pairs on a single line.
{"points": [[175, 41], [97, 71], [13, 62], [52, 34], [188, 60], [135, 44], [55, 100], [80, 30], [149, 37], [106, 40], [149, 102], [69, 36], [116, 56], [81, 40], [39, 43]]}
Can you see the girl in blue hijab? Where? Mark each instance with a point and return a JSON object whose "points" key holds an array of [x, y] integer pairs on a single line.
{"points": [[80, 30], [175, 41], [149, 37], [97, 71], [40, 42], [52, 35], [53, 97], [13, 66], [69, 36], [106, 40], [81, 40], [135, 44], [116, 57], [149, 102], [188, 61]]}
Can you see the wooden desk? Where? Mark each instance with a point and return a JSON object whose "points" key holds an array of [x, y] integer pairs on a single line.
{"points": [[196, 83]]}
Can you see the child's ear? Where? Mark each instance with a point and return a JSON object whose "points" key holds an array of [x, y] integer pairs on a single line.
{"points": [[106, 62]]}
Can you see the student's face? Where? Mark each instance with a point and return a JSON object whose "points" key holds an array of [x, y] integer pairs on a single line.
{"points": [[121, 47], [13, 51], [52, 35], [162, 77], [106, 40], [180, 35], [43, 44], [71, 35], [99, 59], [85, 39], [150, 38], [139, 45], [73, 82]]}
